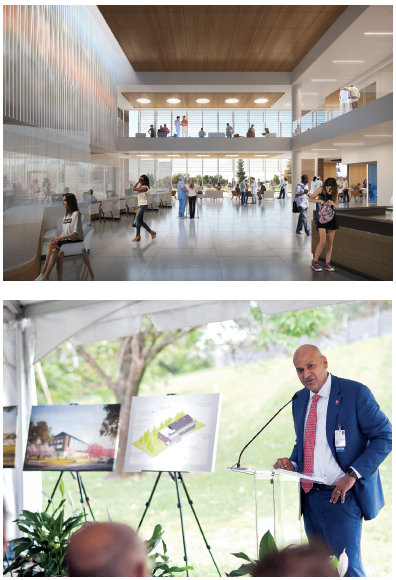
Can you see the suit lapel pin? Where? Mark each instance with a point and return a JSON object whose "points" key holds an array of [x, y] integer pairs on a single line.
{"points": [[336, 402]]}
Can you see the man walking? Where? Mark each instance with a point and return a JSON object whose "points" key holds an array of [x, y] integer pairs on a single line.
{"points": [[342, 434], [177, 126], [182, 197], [229, 130], [345, 188], [253, 189], [282, 190], [242, 188], [302, 205]]}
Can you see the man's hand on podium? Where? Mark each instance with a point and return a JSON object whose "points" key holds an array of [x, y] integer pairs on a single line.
{"points": [[284, 463]]}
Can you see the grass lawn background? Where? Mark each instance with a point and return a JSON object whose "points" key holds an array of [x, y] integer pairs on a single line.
{"points": [[224, 501]]}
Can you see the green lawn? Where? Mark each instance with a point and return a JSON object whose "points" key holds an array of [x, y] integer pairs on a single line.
{"points": [[252, 393]]}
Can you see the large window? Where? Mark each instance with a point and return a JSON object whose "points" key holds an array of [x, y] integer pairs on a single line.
{"points": [[210, 124], [241, 122]]}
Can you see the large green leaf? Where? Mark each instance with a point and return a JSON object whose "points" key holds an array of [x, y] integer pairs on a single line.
{"points": [[62, 488], [22, 548], [267, 544], [14, 566], [242, 571], [24, 529], [241, 555]]}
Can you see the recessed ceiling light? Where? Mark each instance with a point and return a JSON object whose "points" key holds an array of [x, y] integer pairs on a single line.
{"points": [[260, 101], [378, 33], [143, 155], [261, 155], [173, 155], [143, 101], [202, 156], [232, 101], [173, 100], [323, 149], [323, 80], [232, 155], [202, 101]]}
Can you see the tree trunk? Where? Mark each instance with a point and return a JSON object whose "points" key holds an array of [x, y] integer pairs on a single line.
{"points": [[131, 390]]}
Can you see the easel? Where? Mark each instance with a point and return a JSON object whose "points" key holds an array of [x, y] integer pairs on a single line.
{"points": [[175, 475], [83, 494]]}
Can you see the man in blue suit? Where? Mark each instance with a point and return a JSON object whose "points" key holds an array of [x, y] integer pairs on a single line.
{"points": [[341, 434]]}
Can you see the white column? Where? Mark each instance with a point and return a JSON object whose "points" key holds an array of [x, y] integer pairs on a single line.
{"points": [[316, 166], [296, 102], [296, 169]]}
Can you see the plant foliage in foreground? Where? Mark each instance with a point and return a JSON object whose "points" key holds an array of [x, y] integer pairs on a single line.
{"points": [[160, 562], [42, 551], [267, 544]]}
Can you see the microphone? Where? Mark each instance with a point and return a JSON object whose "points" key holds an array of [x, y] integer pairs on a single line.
{"points": [[294, 397]]}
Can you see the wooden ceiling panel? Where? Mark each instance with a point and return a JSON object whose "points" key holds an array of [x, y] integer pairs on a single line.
{"points": [[233, 38], [188, 100]]}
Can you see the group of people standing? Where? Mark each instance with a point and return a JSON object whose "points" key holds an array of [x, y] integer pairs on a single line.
{"points": [[349, 97]]}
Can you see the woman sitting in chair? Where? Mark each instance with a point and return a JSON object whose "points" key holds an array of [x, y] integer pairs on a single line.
{"points": [[72, 232]]}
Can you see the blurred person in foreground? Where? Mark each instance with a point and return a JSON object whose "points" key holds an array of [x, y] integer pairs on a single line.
{"points": [[342, 435], [301, 561], [106, 549]]}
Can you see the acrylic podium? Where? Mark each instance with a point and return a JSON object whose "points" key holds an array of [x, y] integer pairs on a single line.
{"points": [[277, 502]]}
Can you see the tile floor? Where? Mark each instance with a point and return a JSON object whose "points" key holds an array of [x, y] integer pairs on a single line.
{"points": [[226, 242]]}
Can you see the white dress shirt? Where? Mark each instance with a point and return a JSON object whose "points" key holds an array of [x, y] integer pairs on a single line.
{"points": [[324, 462]]}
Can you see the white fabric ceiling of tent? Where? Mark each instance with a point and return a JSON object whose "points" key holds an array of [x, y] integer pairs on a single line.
{"points": [[104, 320]]}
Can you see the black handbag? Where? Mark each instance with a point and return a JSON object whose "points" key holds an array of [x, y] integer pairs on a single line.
{"points": [[134, 220], [295, 208]]}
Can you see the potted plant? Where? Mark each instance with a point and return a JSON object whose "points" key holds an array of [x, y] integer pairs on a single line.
{"points": [[160, 562], [267, 543], [42, 550]]}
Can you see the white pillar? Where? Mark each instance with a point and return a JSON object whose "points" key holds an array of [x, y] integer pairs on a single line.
{"points": [[296, 169], [296, 102], [316, 166]]}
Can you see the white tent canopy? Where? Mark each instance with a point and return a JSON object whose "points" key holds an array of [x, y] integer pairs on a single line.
{"points": [[82, 321], [32, 329]]}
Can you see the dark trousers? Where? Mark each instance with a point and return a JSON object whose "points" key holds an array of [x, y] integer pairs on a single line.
{"points": [[191, 203], [139, 220], [244, 196], [339, 525], [346, 194], [282, 193], [302, 220]]}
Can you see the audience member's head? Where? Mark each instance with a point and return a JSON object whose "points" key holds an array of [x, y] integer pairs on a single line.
{"points": [[106, 549], [304, 561], [91, 191]]}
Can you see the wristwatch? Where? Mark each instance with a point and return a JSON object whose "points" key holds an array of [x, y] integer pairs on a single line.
{"points": [[352, 473]]}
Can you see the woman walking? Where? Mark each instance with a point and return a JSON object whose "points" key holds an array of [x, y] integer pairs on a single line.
{"points": [[72, 232], [326, 199], [192, 196], [142, 187]]}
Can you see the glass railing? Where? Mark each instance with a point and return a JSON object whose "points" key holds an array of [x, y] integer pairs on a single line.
{"points": [[314, 119], [265, 124]]}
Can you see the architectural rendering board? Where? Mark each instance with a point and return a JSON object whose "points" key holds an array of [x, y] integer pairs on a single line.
{"points": [[173, 433], [72, 437], [9, 435]]}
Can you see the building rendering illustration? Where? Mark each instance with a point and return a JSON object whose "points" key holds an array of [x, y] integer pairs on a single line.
{"points": [[174, 432], [63, 441], [105, 94]]}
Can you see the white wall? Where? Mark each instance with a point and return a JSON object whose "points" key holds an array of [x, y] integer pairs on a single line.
{"points": [[383, 155]]}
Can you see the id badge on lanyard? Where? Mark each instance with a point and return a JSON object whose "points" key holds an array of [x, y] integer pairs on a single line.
{"points": [[340, 440]]}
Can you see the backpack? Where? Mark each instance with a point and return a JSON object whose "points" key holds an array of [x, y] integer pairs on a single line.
{"points": [[325, 213]]}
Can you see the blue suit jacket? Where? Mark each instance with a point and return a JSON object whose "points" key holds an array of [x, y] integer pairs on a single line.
{"points": [[368, 434]]}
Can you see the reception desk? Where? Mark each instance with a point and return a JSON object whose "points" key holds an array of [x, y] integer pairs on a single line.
{"points": [[364, 242]]}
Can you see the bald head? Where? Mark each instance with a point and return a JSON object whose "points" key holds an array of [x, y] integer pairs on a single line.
{"points": [[311, 367], [106, 549]]}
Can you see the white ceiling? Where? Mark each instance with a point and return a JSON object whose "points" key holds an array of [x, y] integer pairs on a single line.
{"points": [[353, 44]]}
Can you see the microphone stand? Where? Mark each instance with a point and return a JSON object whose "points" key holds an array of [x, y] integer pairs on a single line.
{"points": [[294, 397]]}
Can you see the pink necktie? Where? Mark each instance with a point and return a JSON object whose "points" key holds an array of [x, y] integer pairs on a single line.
{"points": [[309, 443]]}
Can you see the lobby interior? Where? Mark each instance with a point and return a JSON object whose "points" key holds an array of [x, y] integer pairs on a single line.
{"points": [[80, 98]]}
